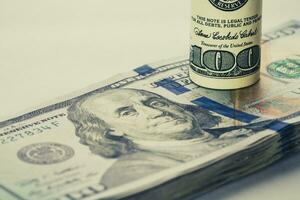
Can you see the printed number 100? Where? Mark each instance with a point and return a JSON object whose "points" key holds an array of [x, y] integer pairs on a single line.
{"points": [[224, 61]]}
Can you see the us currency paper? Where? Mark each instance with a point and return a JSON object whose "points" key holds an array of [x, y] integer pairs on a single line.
{"points": [[144, 129]]}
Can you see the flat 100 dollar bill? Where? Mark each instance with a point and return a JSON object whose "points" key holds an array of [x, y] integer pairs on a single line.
{"points": [[144, 129]]}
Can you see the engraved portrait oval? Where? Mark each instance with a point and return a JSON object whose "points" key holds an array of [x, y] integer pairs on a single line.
{"points": [[45, 153], [228, 5]]}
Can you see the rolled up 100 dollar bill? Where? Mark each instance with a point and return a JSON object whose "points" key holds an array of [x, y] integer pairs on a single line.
{"points": [[225, 43]]}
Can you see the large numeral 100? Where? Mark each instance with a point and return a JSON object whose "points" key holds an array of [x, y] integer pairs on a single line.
{"points": [[224, 61]]}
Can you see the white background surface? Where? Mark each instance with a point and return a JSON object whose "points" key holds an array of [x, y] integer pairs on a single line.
{"points": [[51, 48]]}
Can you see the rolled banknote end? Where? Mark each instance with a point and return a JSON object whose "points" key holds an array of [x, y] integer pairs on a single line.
{"points": [[224, 84], [225, 43]]}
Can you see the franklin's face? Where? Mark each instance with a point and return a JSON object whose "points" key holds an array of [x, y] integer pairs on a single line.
{"points": [[142, 115]]}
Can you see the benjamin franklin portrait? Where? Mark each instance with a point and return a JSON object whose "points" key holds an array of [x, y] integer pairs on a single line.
{"points": [[146, 132]]}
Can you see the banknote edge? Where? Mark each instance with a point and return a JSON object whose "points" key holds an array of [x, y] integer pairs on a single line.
{"points": [[189, 167], [66, 100]]}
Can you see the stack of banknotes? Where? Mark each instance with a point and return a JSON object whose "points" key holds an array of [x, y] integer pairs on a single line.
{"points": [[153, 134]]}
